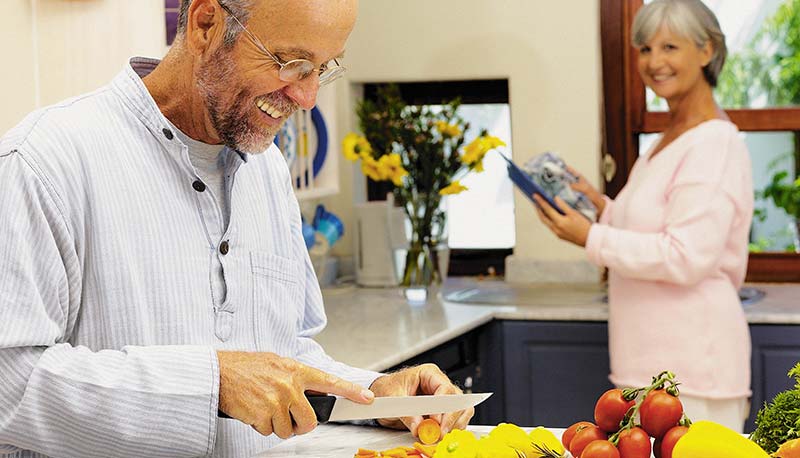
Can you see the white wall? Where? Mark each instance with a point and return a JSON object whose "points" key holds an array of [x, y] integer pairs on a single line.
{"points": [[54, 49], [548, 50]]}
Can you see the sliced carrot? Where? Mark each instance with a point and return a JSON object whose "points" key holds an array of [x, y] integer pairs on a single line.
{"points": [[429, 431], [426, 450]]}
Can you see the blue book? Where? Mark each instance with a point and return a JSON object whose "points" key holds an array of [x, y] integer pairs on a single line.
{"points": [[528, 186]]}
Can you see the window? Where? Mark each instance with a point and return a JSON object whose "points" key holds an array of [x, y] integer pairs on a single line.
{"points": [[481, 239], [759, 90]]}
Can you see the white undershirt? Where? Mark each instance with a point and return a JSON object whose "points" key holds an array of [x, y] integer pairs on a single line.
{"points": [[208, 161]]}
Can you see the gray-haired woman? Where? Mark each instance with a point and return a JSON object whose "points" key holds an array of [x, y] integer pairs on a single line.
{"points": [[675, 238]]}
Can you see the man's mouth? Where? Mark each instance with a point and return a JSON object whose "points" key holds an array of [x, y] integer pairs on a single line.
{"points": [[276, 113]]}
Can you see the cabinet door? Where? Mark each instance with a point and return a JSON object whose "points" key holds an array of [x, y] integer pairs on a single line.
{"points": [[554, 371], [469, 362], [776, 349]]}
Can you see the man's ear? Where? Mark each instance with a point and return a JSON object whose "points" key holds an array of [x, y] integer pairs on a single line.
{"points": [[205, 26]]}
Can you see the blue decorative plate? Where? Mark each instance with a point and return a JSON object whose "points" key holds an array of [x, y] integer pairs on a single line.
{"points": [[289, 137]]}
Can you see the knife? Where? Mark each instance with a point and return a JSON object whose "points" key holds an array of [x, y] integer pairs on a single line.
{"points": [[332, 408]]}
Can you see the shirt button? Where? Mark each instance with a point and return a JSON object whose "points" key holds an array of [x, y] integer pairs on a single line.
{"points": [[224, 247], [167, 133], [199, 186]]}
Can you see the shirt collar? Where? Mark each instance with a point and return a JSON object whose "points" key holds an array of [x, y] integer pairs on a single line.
{"points": [[128, 85]]}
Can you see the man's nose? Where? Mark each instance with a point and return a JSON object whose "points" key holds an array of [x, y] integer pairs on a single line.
{"points": [[304, 92]]}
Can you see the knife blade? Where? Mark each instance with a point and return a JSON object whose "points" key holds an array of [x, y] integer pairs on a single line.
{"points": [[332, 408]]}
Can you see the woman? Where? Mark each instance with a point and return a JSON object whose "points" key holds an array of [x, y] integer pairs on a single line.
{"points": [[675, 238]]}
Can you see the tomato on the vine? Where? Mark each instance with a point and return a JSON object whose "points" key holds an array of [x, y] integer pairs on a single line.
{"points": [[600, 449], [611, 409], [634, 443], [670, 439], [659, 412], [566, 438], [583, 437]]}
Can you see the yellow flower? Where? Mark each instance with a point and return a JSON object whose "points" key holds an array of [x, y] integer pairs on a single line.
{"points": [[448, 130], [372, 168], [491, 447], [457, 444], [477, 149], [512, 436], [355, 146], [392, 166], [453, 188]]}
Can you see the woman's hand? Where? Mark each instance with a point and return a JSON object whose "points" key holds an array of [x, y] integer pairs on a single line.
{"points": [[572, 226], [588, 190]]}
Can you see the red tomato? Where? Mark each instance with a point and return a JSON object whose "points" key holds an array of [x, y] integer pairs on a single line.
{"points": [[600, 449], [670, 439], [583, 437], [610, 410], [566, 438], [659, 412], [634, 443]]}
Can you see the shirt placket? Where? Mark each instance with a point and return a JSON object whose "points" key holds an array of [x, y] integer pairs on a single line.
{"points": [[219, 242]]}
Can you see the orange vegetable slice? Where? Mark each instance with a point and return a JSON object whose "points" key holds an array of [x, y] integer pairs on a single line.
{"points": [[426, 450], [429, 431]]}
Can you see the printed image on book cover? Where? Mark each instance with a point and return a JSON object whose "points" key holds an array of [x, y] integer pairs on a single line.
{"points": [[550, 172]]}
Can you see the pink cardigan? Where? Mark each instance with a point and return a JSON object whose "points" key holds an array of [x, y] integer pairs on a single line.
{"points": [[675, 243]]}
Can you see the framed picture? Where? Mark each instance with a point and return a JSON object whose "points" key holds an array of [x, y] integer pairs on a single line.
{"points": [[171, 10]]}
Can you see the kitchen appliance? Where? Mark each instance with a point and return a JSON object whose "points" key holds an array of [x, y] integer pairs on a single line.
{"points": [[380, 234]]}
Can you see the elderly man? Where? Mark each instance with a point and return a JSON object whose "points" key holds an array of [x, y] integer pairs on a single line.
{"points": [[153, 270]]}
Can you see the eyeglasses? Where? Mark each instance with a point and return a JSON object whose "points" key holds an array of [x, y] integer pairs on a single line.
{"points": [[296, 69]]}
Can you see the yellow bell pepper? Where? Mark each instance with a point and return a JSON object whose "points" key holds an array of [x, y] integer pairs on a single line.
{"points": [[706, 439]]}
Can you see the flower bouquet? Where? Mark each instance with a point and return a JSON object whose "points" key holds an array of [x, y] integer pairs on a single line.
{"points": [[423, 152]]}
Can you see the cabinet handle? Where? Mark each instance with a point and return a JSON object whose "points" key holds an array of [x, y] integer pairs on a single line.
{"points": [[468, 385]]}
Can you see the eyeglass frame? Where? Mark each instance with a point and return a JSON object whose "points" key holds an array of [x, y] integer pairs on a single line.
{"points": [[335, 72]]}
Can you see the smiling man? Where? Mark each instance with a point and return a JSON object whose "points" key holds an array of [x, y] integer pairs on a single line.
{"points": [[154, 271]]}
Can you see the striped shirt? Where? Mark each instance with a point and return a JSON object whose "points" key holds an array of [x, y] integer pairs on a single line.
{"points": [[108, 327]]}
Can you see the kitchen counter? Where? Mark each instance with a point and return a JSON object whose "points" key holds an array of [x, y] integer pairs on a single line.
{"points": [[375, 328]]}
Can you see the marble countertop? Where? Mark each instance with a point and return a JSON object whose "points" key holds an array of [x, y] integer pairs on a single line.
{"points": [[376, 328]]}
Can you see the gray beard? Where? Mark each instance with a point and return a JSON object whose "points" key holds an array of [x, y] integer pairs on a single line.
{"points": [[231, 121]]}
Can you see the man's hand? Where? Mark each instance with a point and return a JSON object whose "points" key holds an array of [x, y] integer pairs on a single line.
{"points": [[267, 391], [572, 226], [424, 379]]}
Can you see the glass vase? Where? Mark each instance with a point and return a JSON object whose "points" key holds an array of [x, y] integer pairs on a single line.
{"points": [[426, 245]]}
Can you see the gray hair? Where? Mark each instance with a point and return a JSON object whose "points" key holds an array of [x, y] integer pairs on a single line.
{"points": [[687, 18], [240, 8]]}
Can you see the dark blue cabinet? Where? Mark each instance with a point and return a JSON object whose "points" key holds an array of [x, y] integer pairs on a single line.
{"points": [[555, 371], [776, 349], [552, 372]]}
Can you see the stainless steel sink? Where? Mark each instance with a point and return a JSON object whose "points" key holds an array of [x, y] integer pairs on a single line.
{"points": [[501, 293], [749, 295]]}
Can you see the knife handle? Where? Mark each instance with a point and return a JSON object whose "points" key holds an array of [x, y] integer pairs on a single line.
{"points": [[321, 403]]}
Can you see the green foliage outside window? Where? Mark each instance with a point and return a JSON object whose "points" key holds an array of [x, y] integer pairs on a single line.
{"points": [[766, 72]]}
